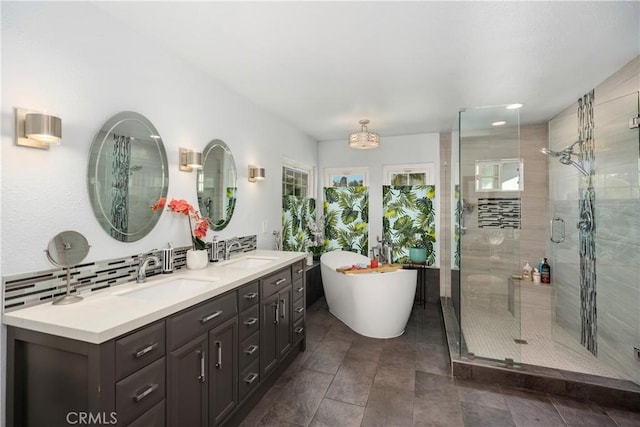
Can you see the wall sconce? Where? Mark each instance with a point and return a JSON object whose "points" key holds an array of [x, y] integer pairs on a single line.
{"points": [[37, 130], [256, 173], [190, 160]]}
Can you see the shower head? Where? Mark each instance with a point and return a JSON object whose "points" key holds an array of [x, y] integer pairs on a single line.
{"points": [[564, 156], [545, 150]]}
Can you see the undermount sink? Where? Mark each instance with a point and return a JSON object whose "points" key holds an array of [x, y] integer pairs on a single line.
{"points": [[166, 289], [250, 262]]}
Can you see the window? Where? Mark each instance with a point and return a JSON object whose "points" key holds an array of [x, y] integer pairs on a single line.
{"points": [[415, 174], [297, 179], [345, 177], [499, 175]]}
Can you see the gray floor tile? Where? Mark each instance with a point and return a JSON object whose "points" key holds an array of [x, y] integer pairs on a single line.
{"points": [[431, 384], [398, 373], [388, 406], [353, 381], [576, 413], [437, 410], [624, 418], [489, 395], [299, 401], [332, 413], [482, 416], [529, 409], [433, 358], [364, 348]]}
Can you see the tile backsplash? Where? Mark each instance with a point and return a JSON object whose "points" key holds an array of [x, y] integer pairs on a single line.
{"points": [[27, 289]]}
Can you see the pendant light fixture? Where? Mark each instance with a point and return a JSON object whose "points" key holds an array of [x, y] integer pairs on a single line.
{"points": [[364, 140]]}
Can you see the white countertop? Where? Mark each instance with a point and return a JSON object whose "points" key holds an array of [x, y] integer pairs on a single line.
{"points": [[110, 312]]}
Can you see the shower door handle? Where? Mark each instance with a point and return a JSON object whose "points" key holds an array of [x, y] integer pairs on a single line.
{"points": [[553, 222]]}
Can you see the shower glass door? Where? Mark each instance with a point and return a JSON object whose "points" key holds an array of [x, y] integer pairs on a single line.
{"points": [[489, 232], [597, 323]]}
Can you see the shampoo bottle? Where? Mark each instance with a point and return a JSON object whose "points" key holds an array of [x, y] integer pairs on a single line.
{"points": [[545, 273], [536, 276], [526, 271]]}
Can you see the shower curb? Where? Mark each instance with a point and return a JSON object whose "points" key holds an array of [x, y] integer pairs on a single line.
{"points": [[607, 392]]}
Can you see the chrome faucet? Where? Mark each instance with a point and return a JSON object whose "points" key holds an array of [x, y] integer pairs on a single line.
{"points": [[143, 264], [230, 243]]}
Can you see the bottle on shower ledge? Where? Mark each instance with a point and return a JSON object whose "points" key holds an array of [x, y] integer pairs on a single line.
{"points": [[535, 276], [545, 273], [526, 271]]}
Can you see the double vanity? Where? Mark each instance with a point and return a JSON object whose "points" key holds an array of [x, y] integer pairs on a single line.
{"points": [[193, 348]]}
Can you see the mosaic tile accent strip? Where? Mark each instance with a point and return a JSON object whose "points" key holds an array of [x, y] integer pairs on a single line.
{"points": [[586, 225], [28, 289], [499, 213]]}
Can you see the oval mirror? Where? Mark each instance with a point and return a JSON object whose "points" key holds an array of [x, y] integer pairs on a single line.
{"points": [[127, 174], [217, 184], [67, 249]]}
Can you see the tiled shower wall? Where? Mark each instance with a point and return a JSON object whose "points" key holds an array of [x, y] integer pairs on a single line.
{"points": [[617, 203], [27, 289]]}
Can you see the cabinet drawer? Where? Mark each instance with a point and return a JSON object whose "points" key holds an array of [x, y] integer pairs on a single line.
{"points": [[297, 270], [192, 322], [249, 379], [138, 349], [140, 391], [298, 309], [248, 295], [154, 417], [276, 281], [298, 290], [298, 331], [249, 322], [249, 350]]}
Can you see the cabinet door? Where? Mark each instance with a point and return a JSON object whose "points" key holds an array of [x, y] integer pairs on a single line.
{"points": [[285, 323], [187, 389], [270, 319], [223, 371]]}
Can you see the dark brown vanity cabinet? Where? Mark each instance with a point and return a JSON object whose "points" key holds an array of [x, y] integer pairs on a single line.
{"points": [[204, 366], [203, 372]]}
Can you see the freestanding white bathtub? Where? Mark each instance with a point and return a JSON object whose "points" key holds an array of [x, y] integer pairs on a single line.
{"points": [[376, 305]]}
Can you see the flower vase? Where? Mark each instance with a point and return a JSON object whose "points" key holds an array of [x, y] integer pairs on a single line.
{"points": [[197, 259]]}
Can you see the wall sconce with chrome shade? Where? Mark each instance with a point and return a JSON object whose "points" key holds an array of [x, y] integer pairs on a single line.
{"points": [[364, 140], [256, 173], [37, 130], [190, 160]]}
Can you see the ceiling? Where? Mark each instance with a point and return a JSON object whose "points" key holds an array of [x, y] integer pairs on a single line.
{"points": [[409, 67]]}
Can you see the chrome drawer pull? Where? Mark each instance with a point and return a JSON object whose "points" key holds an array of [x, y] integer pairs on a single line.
{"points": [[201, 378], [219, 362], [146, 392], [211, 316], [251, 349], [138, 354], [299, 330], [251, 295], [251, 321], [300, 271], [251, 378], [280, 281], [300, 310], [300, 289]]}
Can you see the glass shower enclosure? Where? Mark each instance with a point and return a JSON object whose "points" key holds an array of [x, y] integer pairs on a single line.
{"points": [[569, 191]]}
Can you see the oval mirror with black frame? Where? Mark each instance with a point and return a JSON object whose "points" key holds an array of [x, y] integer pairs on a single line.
{"points": [[128, 172], [217, 185]]}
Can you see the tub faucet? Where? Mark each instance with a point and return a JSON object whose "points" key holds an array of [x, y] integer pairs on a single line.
{"points": [[230, 243], [143, 264]]}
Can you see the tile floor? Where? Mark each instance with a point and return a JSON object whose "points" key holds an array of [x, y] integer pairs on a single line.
{"points": [[344, 379]]}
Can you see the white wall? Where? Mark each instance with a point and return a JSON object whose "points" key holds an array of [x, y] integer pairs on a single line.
{"points": [[393, 150], [73, 60]]}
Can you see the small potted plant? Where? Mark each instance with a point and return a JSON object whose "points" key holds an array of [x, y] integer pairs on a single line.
{"points": [[315, 243], [197, 256], [418, 250]]}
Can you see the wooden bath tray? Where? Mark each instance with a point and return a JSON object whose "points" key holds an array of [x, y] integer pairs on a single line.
{"points": [[382, 269]]}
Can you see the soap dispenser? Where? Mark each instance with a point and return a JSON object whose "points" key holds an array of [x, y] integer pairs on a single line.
{"points": [[215, 247], [167, 259]]}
